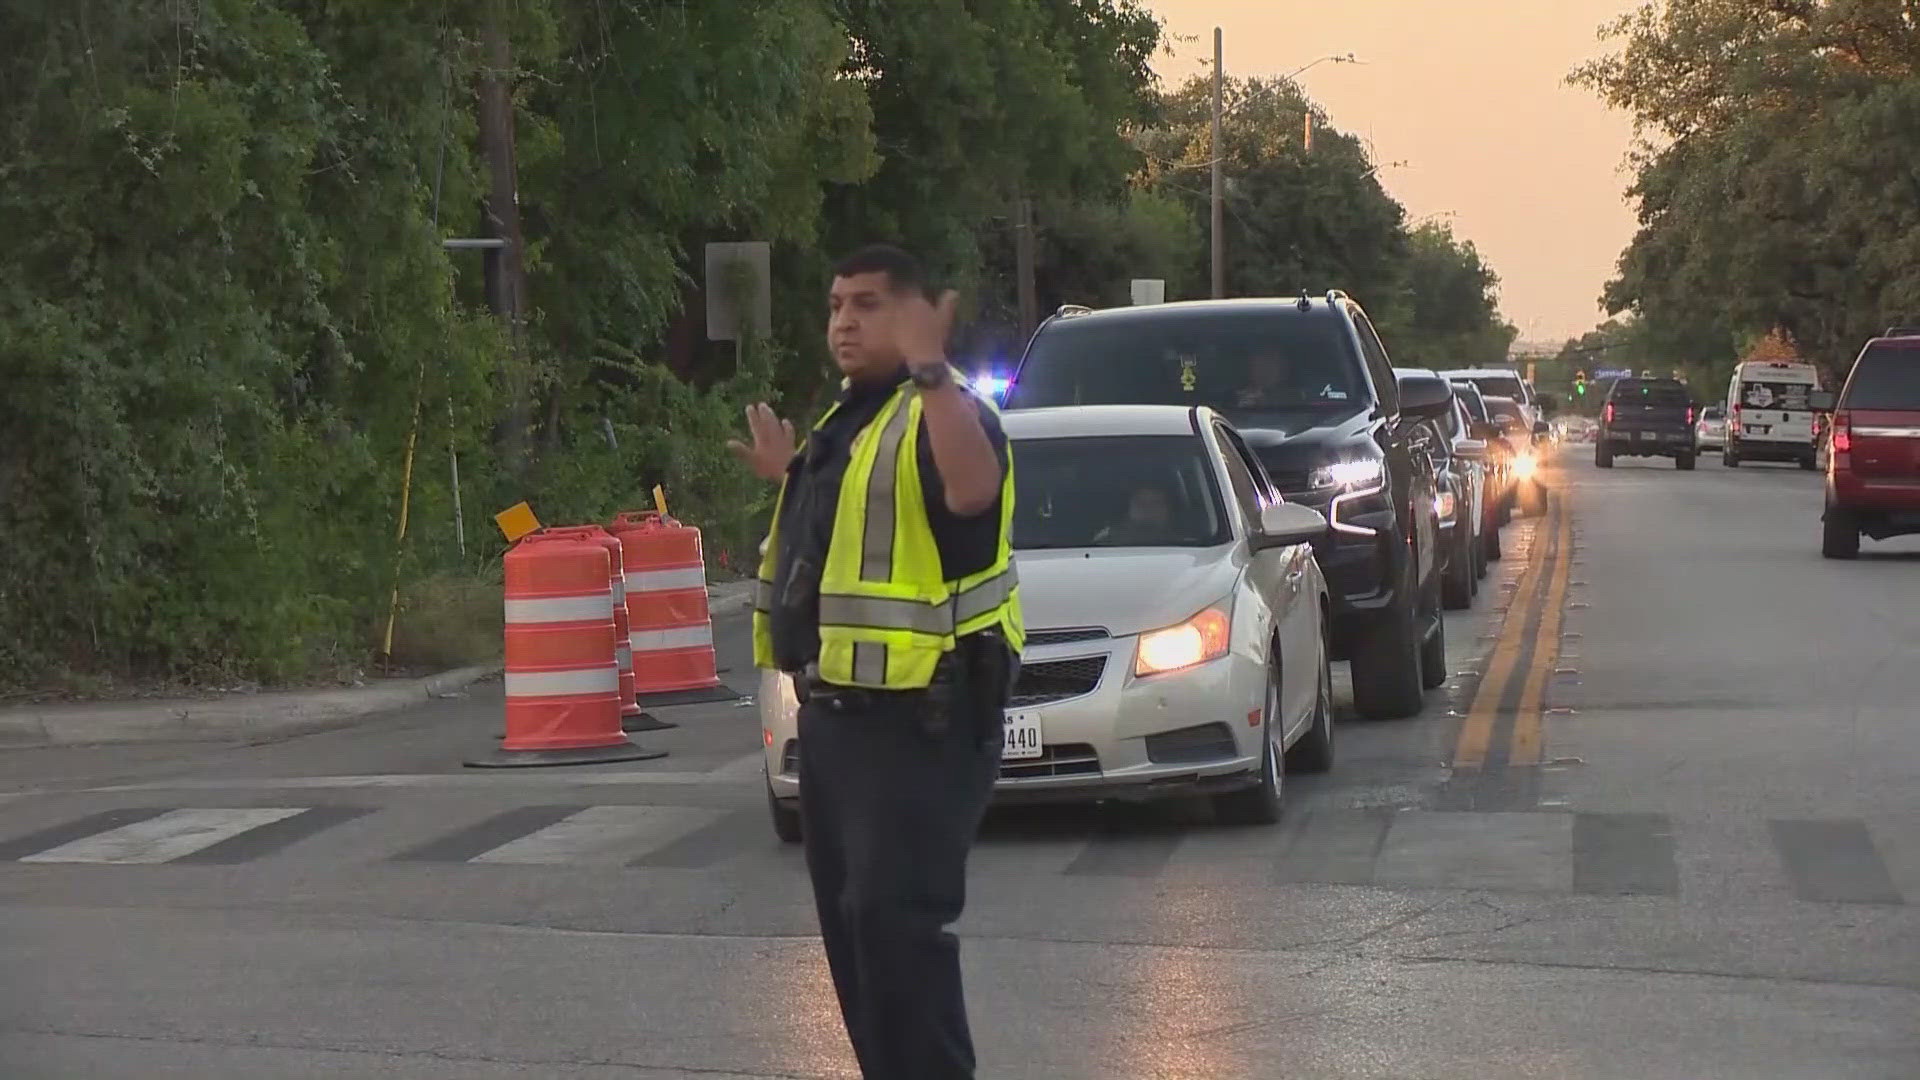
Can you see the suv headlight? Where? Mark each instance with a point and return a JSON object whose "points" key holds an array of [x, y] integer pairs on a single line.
{"points": [[1349, 475]]}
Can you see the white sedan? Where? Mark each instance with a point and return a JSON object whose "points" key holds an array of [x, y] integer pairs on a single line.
{"points": [[1177, 621]]}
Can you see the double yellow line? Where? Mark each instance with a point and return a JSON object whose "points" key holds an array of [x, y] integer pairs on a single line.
{"points": [[1529, 633]]}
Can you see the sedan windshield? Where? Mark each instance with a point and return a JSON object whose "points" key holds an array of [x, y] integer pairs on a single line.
{"points": [[1116, 491]]}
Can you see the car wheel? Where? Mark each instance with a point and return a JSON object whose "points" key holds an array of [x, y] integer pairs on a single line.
{"points": [[1260, 804], [1840, 535], [1809, 464], [1730, 457], [1534, 501], [1433, 650], [1493, 543], [1314, 752], [786, 819], [1683, 462], [1386, 662], [1603, 456]]}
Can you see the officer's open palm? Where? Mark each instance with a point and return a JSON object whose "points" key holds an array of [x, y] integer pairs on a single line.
{"points": [[772, 443]]}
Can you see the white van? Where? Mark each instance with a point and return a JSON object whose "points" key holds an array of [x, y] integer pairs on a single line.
{"points": [[1769, 415]]}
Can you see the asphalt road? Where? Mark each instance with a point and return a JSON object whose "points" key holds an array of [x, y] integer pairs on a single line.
{"points": [[1665, 824]]}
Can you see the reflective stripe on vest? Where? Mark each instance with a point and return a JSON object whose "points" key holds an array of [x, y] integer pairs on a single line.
{"points": [[885, 625]]}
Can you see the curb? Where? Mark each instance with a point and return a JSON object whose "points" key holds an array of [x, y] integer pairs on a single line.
{"points": [[249, 716], [729, 598]]}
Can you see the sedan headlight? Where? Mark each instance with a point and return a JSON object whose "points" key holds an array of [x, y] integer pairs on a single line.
{"points": [[1195, 641], [1524, 465], [1444, 505], [1351, 475]]}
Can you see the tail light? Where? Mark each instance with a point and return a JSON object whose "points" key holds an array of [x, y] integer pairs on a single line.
{"points": [[1733, 419], [1609, 415], [1689, 416], [1842, 432]]}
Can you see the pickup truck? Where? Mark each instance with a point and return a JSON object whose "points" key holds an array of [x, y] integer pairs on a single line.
{"points": [[1647, 418]]}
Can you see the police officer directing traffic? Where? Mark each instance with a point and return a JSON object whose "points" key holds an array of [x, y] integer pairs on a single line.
{"points": [[887, 591]]}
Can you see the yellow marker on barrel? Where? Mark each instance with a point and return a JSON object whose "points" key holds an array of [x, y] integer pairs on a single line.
{"points": [[516, 521], [660, 499]]}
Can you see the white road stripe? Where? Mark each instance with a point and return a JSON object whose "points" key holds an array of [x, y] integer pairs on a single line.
{"points": [[744, 767], [164, 838], [681, 638], [646, 581], [631, 829]]}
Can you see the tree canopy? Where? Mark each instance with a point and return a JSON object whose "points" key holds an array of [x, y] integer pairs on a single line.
{"points": [[1776, 186], [243, 372]]}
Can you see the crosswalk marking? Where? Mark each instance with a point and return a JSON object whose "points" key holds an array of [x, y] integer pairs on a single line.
{"points": [[1707, 860], [596, 829], [169, 836]]}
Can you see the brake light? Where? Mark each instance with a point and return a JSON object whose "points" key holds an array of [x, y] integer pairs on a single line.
{"points": [[1689, 415], [1733, 419], [1842, 432], [1609, 415]]}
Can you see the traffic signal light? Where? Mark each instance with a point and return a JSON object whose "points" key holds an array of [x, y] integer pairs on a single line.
{"points": [[1580, 383]]}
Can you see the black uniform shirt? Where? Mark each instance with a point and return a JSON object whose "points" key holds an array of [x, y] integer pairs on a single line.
{"points": [[967, 545]]}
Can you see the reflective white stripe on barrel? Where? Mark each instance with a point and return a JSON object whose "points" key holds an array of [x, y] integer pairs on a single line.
{"points": [[165, 838], [680, 638], [594, 680], [558, 609], [686, 577]]}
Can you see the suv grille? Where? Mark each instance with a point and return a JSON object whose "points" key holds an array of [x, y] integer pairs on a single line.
{"points": [[1064, 759], [1056, 680]]}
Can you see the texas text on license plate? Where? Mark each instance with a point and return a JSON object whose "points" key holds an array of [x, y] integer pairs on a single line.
{"points": [[1022, 736]]}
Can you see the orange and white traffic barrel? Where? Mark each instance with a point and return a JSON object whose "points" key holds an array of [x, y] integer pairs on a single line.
{"points": [[562, 672], [670, 629]]}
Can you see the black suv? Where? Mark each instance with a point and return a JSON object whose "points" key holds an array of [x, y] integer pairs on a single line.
{"points": [[1310, 388], [1647, 418]]}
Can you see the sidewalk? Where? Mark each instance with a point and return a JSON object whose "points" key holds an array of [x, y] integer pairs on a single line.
{"points": [[263, 715]]}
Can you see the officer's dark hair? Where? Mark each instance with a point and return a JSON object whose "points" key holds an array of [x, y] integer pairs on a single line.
{"points": [[904, 272]]}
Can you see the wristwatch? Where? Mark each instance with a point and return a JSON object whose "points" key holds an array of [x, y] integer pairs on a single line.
{"points": [[932, 377]]}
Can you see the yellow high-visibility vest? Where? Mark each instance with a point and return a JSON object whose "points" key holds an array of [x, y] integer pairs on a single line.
{"points": [[887, 612]]}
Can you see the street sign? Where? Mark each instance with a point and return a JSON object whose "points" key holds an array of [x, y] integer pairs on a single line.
{"points": [[1149, 291], [1613, 373], [739, 288]]}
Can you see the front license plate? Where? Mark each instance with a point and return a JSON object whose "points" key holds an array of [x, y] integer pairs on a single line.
{"points": [[1022, 737]]}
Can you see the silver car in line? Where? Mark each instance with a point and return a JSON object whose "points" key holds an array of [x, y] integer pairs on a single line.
{"points": [[1176, 621]]}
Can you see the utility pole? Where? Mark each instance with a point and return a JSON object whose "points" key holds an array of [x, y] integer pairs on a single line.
{"points": [[1219, 209], [509, 296], [1023, 260]]}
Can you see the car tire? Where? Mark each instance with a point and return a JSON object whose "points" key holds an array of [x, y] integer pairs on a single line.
{"points": [[1492, 540], [1729, 457], [1839, 535], [1314, 752], [1534, 501], [1481, 546], [1262, 803], [1809, 464], [1433, 649], [786, 819], [1386, 661], [1683, 462], [1602, 456]]}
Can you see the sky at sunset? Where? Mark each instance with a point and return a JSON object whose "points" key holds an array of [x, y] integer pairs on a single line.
{"points": [[1470, 94]]}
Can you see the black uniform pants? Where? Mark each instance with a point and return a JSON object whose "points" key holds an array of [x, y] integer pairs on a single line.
{"points": [[889, 810]]}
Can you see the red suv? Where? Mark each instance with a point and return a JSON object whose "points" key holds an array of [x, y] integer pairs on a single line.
{"points": [[1873, 464]]}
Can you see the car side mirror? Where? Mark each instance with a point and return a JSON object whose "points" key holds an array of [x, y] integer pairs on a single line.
{"points": [[1822, 400], [1540, 427], [1285, 524]]}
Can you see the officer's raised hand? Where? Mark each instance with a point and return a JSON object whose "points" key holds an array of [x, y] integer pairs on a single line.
{"points": [[920, 329], [772, 446]]}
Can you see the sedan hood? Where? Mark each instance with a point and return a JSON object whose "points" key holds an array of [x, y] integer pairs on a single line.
{"points": [[1126, 590], [1292, 445]]}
